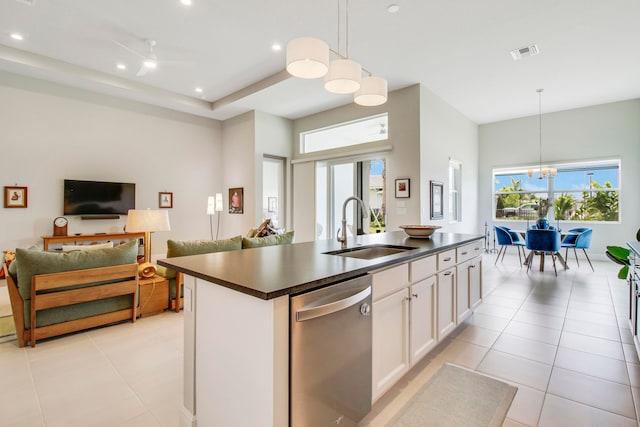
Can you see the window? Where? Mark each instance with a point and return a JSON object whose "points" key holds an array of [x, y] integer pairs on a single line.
{"points": [[348, 134], [455, 191], [586, 191], [273, 184]]}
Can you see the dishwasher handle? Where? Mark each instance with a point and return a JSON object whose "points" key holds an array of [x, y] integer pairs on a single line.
{"points": [[332, 307]]}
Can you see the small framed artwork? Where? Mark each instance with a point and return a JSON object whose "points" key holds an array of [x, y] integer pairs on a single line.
{"points": [[15, 197], [166, 199], [272, 204], [236, 200], [402, 188], [436, 200]]}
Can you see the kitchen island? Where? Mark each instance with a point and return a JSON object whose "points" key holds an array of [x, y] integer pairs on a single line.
{"points": [[236, 339]]}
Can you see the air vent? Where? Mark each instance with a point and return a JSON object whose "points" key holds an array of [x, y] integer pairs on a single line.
{"points": [[28, 2], [524, 51]]}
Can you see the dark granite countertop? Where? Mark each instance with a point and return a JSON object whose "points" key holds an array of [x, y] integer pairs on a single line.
{"points": [[274, 271]]}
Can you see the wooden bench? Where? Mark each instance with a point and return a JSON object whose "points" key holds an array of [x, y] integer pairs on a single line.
{"points": [[124, 281]]}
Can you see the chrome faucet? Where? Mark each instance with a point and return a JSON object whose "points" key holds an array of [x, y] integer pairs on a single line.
{"points": [[342, 232]]}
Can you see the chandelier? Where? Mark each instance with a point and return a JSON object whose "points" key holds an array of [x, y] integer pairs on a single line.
{"points": [[542, 172], [308, 58]]}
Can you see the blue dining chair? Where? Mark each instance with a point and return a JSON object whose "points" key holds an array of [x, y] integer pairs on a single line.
{"points": [[543, 242], [508, 238], [578, 238]]}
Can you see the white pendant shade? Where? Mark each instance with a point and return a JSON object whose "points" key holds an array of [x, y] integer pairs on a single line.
{"points": [[307, 58], [344, 76], [373, 91]]}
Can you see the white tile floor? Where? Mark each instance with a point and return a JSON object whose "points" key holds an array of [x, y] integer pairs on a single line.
{"points": [[563, 341]]}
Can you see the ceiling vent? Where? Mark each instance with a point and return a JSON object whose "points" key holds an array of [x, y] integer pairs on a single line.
{"points": [[524, 51], [28, 2]]}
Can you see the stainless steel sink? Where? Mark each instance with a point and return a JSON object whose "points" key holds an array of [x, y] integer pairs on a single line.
{"points": [[371, 251]]}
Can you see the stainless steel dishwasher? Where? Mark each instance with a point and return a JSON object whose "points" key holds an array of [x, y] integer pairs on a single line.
{"points": [[331, 355]]}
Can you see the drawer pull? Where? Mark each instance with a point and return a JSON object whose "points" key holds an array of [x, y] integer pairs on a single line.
{"points": [[447, 259], [414, 296], [464, 253], [448, 273]]}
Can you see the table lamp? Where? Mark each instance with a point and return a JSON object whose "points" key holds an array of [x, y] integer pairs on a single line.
{"points": [[147, 221]]}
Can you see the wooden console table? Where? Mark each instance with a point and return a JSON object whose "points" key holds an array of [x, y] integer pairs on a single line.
{"points": [[89, 237]]}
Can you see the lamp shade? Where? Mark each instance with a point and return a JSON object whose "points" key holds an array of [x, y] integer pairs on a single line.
{"points": [[211, 205], [307, 57], [219, 206], [147, 220], [343, 77], [373, 91]]}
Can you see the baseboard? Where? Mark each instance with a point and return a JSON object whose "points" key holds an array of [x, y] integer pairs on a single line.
{"points": [[187, 419]]}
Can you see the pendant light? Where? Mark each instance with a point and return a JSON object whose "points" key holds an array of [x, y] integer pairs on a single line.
{"points": [[307, 58], [542, 172], [373, 91]]}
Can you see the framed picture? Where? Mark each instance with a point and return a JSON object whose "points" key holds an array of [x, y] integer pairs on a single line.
{"points": [[165, 200], [236, 200], [436, 200], [15, 197], [272, 204], [402, 188]]}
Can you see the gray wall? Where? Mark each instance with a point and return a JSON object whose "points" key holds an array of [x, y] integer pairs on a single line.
{"points": [[598, 132]]}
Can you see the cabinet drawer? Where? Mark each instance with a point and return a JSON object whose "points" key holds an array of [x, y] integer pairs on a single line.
{"points": [[388, 281], [446, 259], [422, 268], [470, 250]]}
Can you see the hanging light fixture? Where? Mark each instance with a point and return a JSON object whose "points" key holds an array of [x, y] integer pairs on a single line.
{"points": [[307, 58], [542, 172], [373, 91]]}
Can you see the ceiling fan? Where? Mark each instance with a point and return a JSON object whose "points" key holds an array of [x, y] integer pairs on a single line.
{"points": [[149, 59]]}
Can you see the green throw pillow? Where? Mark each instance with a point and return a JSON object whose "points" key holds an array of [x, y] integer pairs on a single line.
{"points": [[177, 248], [32, 262], [276, 239]]}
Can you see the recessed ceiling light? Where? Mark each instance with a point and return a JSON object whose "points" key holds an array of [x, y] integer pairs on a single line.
{"points": [[393, 8], [186, 2], [17, 36], [199, 89], [276, 47], [121, 67]]}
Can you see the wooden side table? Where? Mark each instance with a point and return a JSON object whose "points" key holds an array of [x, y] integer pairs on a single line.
{"points": [[153, 296]]}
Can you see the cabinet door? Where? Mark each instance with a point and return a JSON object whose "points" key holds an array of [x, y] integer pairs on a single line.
{"points": [[423, 322], [446, 302], [390, 353], [475, 282], [463, 301]]}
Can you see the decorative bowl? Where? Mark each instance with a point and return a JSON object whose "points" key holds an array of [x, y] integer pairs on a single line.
{"points": [[420, 231]]}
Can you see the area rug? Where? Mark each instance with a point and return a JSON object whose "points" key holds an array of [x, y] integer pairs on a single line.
{"points": [[454, 397]]}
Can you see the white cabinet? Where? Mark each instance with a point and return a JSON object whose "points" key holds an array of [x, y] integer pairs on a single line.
{"points": [[390, 352], [446, 302], [423, 332], [418, 303], [469, 287], [475, 282], [463, 297]]}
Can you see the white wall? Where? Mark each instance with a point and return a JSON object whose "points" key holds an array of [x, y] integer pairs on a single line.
{"points": [[445, 134], [274, 136], [403, 107], [602, 131], [51, 132]]}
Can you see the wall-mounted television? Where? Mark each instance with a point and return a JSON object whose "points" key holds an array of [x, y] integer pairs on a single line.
{"points": [[98, 198]]}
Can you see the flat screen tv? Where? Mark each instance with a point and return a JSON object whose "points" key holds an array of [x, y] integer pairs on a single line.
{"points": [[98, 198]]}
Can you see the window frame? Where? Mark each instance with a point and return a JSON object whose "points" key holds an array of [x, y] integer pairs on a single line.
{"points": [[552, 192]]}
